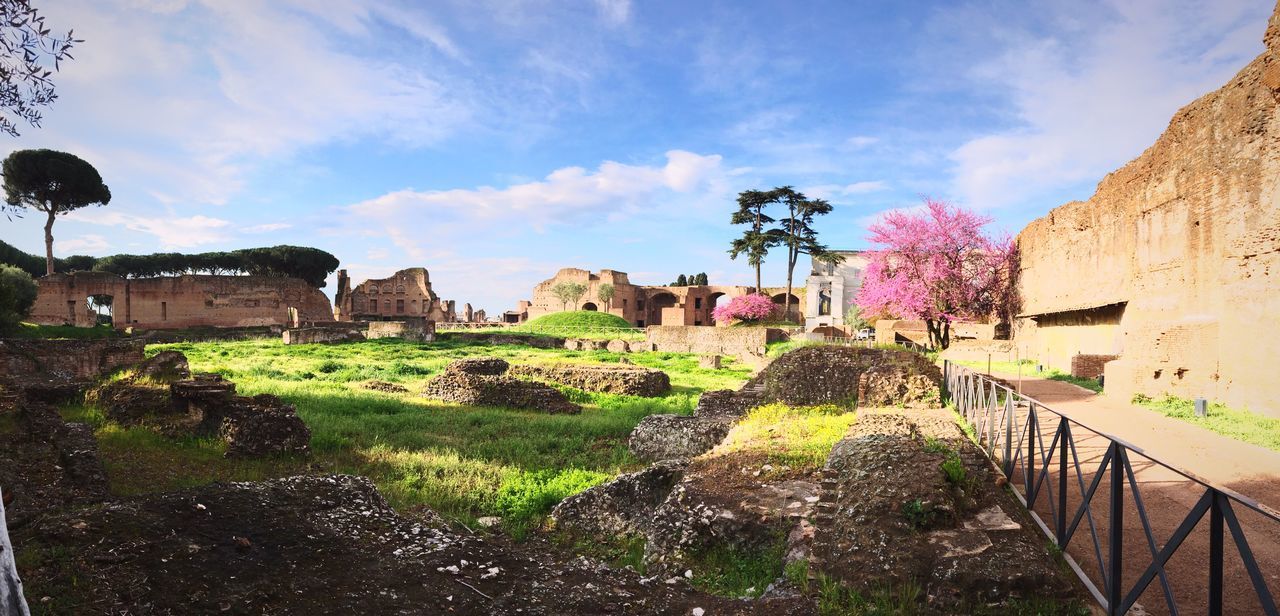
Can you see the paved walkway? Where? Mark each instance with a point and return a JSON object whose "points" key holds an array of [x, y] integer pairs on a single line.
{"points": [[1248, 469]]}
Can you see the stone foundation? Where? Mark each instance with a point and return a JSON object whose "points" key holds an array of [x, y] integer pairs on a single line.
{"points": [[418, 330], [1090, 366]]}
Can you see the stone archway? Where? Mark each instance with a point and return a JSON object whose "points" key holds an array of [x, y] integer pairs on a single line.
{"points": [[712, 301], [780, 300], [590, 307], [102, 306], [657, 302]]}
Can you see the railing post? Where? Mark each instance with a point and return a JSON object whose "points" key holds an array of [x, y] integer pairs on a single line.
{"points": [[946, 383], [1115, 590], [1215, 555], [1008, 434], [1033, 431], [1063, 431]]}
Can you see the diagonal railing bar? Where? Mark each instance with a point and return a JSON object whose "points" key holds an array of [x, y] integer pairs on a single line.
{"points": [[1175, 541], [1151, 539], [996, 422], [1086, 499], [1046, 458], [1246, 554]]}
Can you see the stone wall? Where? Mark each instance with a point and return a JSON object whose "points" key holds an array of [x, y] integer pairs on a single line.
{"points": [[72, 360], [320, 335], [178, 301], [420, 330], [1187, 238], [738, 341]]}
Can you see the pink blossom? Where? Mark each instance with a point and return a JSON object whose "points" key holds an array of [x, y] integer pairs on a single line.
{"points": [[937, 265], [749, 308]]}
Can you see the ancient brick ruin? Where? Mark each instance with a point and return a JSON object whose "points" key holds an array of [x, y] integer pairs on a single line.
{"points": [[173, 302], [641, 305], [1172, 263]]}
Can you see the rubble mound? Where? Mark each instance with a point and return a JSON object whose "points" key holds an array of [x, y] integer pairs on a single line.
{"points": [[45, 463], [140, 391], [385, 387], [954, 532], [833, 375], [610, 379], [620, 507], [668, 437], [484, 366], [726, 403], [455, 385], [317, 545]]}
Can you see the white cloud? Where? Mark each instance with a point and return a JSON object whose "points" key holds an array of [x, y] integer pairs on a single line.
{"points": [[85, 244], [172, 232], [184, 99], [860, 141], [859, 188], [614, 12], [612, 192], [266, 228], [1087, 103]]}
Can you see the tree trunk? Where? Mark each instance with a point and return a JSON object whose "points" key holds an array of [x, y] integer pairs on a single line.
{"points": [[786, 301], [48, 243]]}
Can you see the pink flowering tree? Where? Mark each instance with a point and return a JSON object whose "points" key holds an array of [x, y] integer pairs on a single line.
{"points": [[747, 308], [937, 265]]}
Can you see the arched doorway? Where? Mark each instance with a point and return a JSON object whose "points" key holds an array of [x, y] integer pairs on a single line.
{"points": [[794, 314], [589, 306], [657, 303], [712, 301], [101, 306]]}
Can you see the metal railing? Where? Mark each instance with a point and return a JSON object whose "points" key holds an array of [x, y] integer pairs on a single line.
{"points": [[1011, 428]]}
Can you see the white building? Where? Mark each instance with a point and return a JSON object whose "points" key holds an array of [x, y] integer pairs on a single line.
{"points": [[830, 289]]}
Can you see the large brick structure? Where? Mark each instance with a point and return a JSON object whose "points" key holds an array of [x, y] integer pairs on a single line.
{"points": [[1173, 263], [173, 302], [407, 293], [640, 305]]}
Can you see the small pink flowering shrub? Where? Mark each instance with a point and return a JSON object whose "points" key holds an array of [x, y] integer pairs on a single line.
{"points": [[747, 308]]}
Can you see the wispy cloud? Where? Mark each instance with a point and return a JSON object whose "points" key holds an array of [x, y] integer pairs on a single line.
{"points": [[1087, 100], [89, 243], [170, 231], [266, 228]]}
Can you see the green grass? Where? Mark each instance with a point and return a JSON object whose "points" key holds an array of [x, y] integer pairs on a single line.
{"points": [[743, 572], [578, 324], [1028, 370], [31, 330], [464, 462], [1239, 424], [798, 437]]}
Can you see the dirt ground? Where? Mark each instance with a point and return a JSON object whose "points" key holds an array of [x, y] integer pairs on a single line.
{"points": [[1167, 496]]}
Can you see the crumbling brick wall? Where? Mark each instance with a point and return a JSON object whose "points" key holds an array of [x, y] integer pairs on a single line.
{"points": [[1090, 366], [1187, 237]]}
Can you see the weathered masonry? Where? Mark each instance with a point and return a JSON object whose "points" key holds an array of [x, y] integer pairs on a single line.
{"points": [[407, 293], [641, 305], [1174, 263], [85, 298]]}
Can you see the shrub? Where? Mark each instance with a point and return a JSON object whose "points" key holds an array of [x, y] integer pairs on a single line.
{"points": [[747, 308], [17, 294]]}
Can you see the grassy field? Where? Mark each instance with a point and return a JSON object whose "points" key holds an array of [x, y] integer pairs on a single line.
{"points": [[463, 462], [576, 324], [1239, 424], [1028, 370]]}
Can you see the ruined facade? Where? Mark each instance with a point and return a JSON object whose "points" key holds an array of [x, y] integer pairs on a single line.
{"points": [[640, 305], [173, 302], [407, 293], [1173, 263], [830, 289]]}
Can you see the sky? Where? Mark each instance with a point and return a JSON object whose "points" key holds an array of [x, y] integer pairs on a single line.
{"points": [[496, 141]]}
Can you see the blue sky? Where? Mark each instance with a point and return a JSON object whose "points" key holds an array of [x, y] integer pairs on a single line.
{"points": [[494, 142]]}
